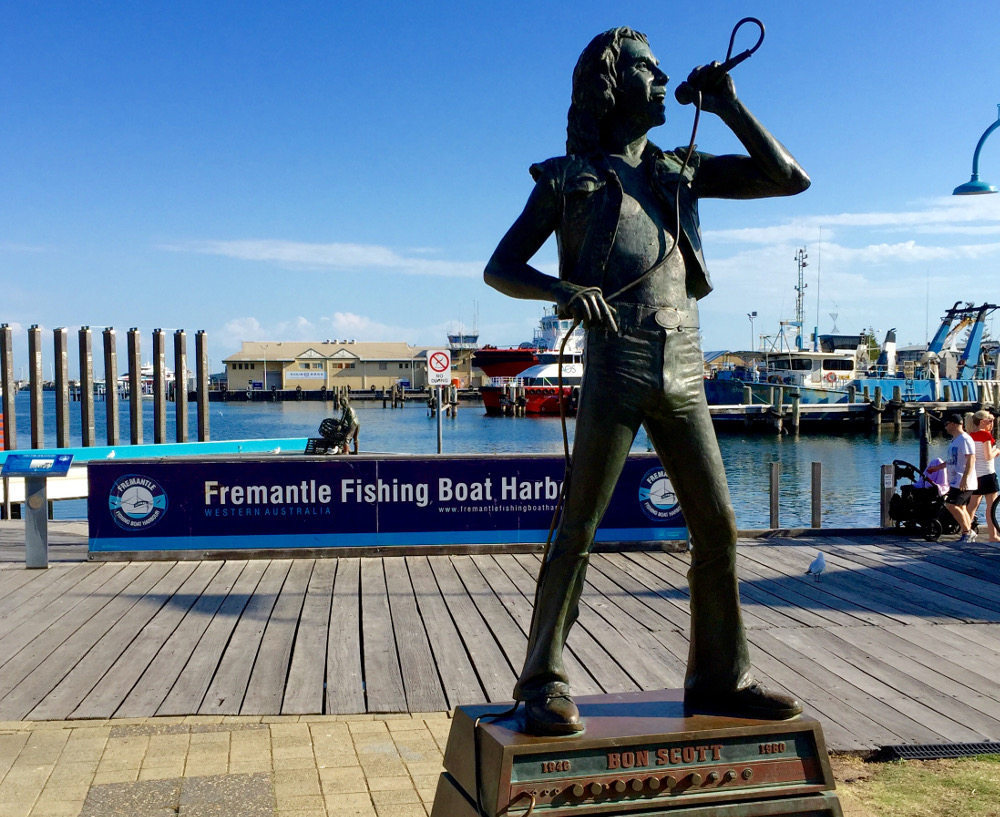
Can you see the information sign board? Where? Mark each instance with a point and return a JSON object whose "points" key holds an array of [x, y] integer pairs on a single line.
{"points": [[34, 465]]}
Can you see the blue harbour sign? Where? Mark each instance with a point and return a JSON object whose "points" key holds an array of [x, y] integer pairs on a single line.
{"points": [[414, 501]]}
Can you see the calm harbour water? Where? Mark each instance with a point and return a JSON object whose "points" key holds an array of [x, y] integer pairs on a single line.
{"points": [[850, 461]]}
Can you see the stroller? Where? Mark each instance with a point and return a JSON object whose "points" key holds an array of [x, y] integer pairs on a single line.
{"points": [[919, 504]]}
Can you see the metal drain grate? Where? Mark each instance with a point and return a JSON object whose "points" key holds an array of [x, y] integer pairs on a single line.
{"points": [[936, 751]]}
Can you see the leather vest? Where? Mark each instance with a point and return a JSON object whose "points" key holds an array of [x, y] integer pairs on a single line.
{"points": [[590, 196]]}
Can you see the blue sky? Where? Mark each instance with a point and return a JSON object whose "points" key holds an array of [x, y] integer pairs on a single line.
{"points": [[311, 170]]}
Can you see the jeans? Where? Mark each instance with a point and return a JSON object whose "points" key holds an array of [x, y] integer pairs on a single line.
{"points": [[648, 375]]}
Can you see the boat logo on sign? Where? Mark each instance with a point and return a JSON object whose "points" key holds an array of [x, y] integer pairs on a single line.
{"points": [[656, 496], [137, 502]]}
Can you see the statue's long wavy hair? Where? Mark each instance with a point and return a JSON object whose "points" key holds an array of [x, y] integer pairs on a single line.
{"points": [[595, 79]]}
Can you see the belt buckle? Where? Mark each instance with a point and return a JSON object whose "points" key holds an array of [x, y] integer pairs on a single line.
{"points": [[668, 318]]}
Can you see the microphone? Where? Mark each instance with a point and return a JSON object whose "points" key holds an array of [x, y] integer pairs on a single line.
{"points": [[685, 93]]}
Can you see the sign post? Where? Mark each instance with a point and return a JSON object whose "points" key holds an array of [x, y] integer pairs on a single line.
{"points": [[438, 375], [35, 470]]}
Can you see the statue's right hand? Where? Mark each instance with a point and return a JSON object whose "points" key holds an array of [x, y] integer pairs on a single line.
{"points": [[587, 305]]}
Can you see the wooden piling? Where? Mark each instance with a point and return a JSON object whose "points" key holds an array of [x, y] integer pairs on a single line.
{"points": [[88, 431], [775, 476], [35, 386], [60, 349], [7, 387], [180, 386], [924, 426], [111, 398], [947, 392], [887, 486], [159, 386], [796, 398], [134, 387], [897, 410], [817, 495], [201, 372], [852, 394]]}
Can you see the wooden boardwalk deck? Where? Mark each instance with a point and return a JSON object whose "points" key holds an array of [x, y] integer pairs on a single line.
{"points": [[898, 643]]}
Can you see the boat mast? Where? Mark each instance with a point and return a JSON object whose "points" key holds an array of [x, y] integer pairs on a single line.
{"points": [[800, 295]]}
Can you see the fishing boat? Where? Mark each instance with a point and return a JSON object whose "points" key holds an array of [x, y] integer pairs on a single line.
{"points": [[535, 389], [511, 361], [146, 381], [947, 369]]}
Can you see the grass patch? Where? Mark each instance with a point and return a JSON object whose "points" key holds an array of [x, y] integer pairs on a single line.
{"points": [[961, 787]]}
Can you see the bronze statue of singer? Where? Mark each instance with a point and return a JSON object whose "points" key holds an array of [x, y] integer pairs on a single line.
{"points": [[611, 203]]}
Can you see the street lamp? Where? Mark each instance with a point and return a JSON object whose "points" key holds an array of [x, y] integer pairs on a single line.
{"points": [[974, 186], [751, 316]]}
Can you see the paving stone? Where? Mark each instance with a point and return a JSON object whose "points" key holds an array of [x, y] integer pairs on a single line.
{"points": [[131, 798]]}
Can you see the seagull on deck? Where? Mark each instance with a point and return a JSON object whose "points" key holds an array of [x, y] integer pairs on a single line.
{"points": [[818, 566]]}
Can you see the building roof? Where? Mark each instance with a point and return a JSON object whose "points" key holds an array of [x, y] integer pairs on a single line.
{"points": [[287, 351]]}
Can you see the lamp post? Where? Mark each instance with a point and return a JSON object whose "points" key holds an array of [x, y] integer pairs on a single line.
{"points": [[975, 187], [751, 316]]}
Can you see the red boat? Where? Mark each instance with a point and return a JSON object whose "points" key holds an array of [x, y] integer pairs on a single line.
{"points": [[538, 387], [512, 360], [505, 362]]}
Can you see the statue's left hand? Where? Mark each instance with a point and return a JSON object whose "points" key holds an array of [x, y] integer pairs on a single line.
{"points": [[716, 86]]}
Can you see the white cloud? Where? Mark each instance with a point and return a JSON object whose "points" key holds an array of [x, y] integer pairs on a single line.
{"points": [[340, 325], [955, 215], [340, 256]]}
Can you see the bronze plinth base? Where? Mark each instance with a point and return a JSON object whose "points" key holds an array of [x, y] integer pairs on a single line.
{"points": [[640, 755]]}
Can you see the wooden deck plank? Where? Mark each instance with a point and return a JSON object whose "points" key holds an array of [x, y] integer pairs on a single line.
{"points": [[158, 678], [925, 605], [588, 651], [518, 599], [811, 643], [985, 635], [13, 579], [225, 693], [119, 679], [972, 600], [458, 677], [949, 641], [384, 691], [49, 621], [304, 690], [813, 683], [72, 643], [934, 670], [647, 605], [188, 692], [636, 573], [894, 727], [842, 588], [650, 663], [495, 672], [28, 600], [975, 562], [420, 672], [921, 684], [754, 561], [810, 611], [78, 682], [345, 679], [266, 687], [898, 642], [511, 639]]}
